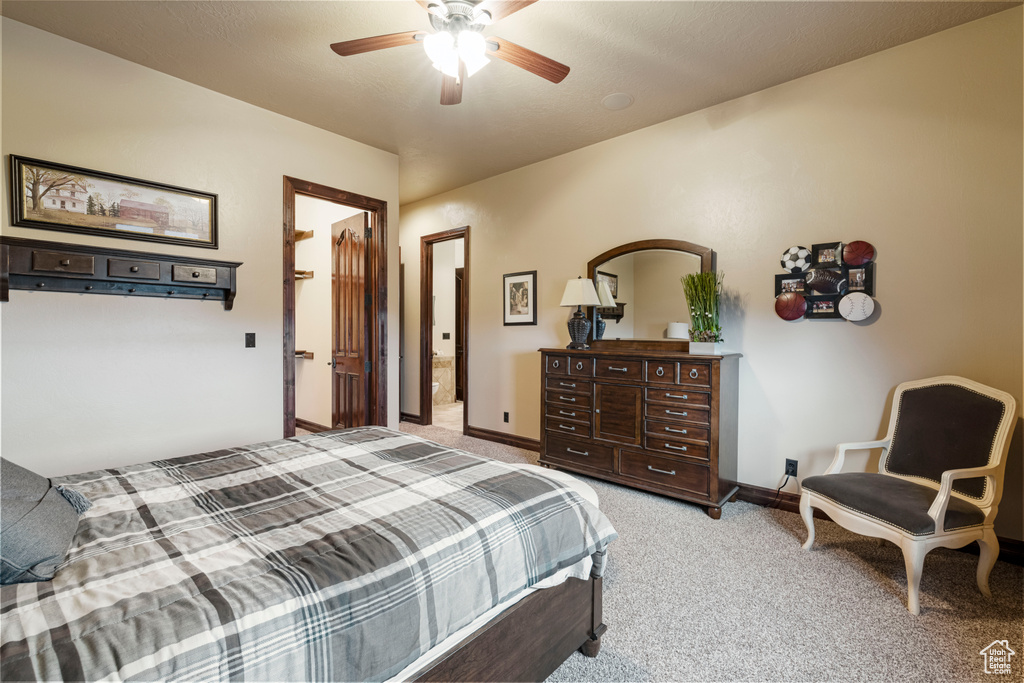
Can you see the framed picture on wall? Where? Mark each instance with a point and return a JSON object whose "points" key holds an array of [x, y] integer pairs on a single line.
{"points": [[612, 280], [822, 307], [520, 298], [53, 196], [790, 282], [861, 278], [828, 255]]}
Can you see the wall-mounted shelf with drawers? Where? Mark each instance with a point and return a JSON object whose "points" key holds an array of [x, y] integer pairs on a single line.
{"points": [[658, 420], [39, 265]]}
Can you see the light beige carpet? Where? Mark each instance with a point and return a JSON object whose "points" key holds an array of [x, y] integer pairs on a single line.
{"points": [[688, 598]]}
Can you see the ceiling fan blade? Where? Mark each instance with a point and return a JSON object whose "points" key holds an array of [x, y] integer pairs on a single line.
{"points": [[499, 9], [451, 88], [347, 48], [529, 60], [433, 6]]}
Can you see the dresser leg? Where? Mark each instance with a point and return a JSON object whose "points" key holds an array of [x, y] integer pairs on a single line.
{"points": [[715, 512], [591, 647]]}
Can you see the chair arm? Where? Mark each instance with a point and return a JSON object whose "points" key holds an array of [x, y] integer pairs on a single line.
{"points": [[837, 462], [937, 511]]}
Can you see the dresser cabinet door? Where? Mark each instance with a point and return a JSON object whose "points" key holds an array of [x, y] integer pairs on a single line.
{"points": [[618, 413]]}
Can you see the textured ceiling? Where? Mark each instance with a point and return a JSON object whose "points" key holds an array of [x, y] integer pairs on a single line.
{"points": [[673, 57]]}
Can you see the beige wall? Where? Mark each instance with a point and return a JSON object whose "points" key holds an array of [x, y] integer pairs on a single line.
{"points": [[313, 307], [98, 381], [447, 257], [916, 150]]}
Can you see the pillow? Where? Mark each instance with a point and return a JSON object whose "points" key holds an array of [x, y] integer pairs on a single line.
{"points": [[37, 524]]}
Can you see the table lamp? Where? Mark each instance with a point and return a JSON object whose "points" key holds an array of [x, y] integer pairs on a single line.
{"points": [[579, 293], [604, 293]]}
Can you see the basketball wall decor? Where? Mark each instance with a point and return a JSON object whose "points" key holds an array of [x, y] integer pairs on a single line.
{"points": [[829, 280], [858, 253], [790, 306]]}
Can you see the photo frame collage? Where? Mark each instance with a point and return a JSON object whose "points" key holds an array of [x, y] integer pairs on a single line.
{"points": [[829, 280]]}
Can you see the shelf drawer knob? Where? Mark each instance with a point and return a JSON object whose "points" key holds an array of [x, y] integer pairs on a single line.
{"points": [[65, 262], [134, 269], [196, 273]]}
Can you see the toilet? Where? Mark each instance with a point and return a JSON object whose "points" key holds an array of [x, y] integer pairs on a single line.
{"points": [[434, 386]]}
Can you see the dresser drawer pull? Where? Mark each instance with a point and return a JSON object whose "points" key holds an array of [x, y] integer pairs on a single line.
{"points": [[655, 469], [65, 262], [567, 384], [676, 431], [675, 448], [133, 269], [672, 412], [566, 398], [660, 372], [572, 414], [579, 366], [567, 428], [618, 369], [693, 374], [684, 396], [569, 450], [554, 363]]}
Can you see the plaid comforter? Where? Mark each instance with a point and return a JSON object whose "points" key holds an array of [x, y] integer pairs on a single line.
{"points": [[339, 556]]}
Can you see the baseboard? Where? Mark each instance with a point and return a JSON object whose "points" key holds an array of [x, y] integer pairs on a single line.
{"points": [[409, 417], [310, 426], [503, 438], [1010, 549]]}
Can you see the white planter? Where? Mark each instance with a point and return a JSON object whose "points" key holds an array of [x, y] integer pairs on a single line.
{"points": [[706, 348]]}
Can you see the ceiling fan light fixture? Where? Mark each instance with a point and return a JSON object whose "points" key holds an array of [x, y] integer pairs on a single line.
{"points": [[473, 51]]}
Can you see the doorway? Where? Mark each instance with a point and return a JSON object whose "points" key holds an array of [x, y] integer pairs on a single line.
{"points": [[358, 261], [444, 338]]}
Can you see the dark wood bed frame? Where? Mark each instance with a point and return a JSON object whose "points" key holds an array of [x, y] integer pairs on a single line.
{"points": [[530, 639]]}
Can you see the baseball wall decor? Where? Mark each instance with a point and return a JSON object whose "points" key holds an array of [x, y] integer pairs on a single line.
{"points": [[829, 280]]}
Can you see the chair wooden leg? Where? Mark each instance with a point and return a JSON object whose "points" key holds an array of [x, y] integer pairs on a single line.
{"points": [[913, 557], [807, 513], [989, 553]]}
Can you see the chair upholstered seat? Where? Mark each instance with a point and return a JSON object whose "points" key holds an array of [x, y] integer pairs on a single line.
{"points": [[898, 502]]}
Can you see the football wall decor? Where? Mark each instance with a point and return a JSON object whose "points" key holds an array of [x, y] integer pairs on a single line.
{"points": [[830, 280]]}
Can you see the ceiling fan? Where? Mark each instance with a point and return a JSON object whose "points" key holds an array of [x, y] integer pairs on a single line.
{"points": [[458, 48]]}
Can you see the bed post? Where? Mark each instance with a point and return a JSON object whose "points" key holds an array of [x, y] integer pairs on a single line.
{"points": [[597, 627]]}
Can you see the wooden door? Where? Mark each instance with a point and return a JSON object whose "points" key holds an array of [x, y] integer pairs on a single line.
{"points": [[348, 322], [617, 413], [459, 330]]}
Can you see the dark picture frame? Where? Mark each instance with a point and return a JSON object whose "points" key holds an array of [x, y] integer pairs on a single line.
{"points": [[865, 284], [781, 281], [52, 196], [823, 307], [519, 298], [827, 255], [612, 280]]}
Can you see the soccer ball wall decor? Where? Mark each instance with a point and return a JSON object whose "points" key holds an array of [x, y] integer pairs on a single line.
{"points": [[819, 278]]}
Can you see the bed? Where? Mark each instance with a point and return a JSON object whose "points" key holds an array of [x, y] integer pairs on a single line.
{"points": [[363, 554]]}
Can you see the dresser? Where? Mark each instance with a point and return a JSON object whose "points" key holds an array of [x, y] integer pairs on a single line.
{"points": [[654, 419]]}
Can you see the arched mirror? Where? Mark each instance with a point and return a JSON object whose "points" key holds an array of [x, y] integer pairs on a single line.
{"points": [[644, 279]]}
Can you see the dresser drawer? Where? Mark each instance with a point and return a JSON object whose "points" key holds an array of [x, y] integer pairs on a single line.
{"points": [[674, 430], [675, 474], [568, 385], [679, 397], [198, 274], [567, 399], [661, 372], [678, 414], [579, 453], [581, 367], [619, 369], [560, 426], [556, 365], [564, 412], [58, 262], [695, 374], [143, 270], [675, 447]]}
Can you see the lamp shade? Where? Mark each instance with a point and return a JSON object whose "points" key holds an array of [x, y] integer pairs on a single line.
{"points": [[580, 292], [604, 293]]}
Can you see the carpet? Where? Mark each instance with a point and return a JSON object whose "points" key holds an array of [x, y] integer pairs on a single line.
{"points": [[688, 598]]}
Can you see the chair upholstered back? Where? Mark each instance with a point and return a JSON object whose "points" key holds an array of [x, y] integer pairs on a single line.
{"points": [[944, 426]]}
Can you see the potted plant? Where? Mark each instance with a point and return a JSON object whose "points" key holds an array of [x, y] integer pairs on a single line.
{"points": [[703, 291]]}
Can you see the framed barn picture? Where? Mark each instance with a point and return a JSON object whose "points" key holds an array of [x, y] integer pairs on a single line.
{"points": [[53, 196], [520, 298]]}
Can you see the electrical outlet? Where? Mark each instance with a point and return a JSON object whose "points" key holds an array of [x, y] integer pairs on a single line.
{"points": [[446, 335], [790, 467], [506, 416], [250, 340]]}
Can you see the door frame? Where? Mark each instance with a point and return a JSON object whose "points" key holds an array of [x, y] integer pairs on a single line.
{"points": [[376, 286], [427, 243]]}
